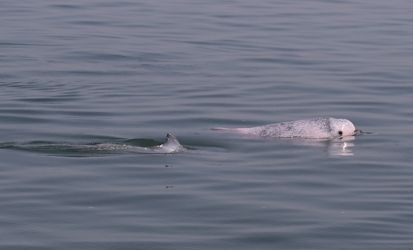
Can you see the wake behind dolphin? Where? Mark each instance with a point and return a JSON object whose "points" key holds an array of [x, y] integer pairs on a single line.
{"points": [[315, 128], [171, 145]]}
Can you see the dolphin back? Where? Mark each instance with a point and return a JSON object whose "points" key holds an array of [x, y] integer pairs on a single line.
{"points": [[315, 128]]}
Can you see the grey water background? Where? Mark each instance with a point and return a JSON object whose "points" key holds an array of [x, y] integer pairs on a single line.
{"points": [[102, 71]]}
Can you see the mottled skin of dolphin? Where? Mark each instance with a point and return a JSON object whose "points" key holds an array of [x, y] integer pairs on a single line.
{"points": [[315, 128]]}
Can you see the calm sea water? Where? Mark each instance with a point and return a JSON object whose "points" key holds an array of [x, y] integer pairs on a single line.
{"points": [[92, 71]]}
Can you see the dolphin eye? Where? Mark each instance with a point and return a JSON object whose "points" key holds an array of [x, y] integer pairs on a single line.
{"points": [[340, 132]]}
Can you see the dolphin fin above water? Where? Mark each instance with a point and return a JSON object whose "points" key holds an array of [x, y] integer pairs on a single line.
{"points": [[171, 145]]}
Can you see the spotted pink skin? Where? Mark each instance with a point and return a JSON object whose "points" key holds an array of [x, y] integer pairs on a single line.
{"points": [[315, 128]]}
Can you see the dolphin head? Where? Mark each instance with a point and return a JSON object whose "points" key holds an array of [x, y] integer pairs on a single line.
{"points": [[342, 127]]}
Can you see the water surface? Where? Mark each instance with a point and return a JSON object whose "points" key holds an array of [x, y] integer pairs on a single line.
{"points": [[90, 71]]}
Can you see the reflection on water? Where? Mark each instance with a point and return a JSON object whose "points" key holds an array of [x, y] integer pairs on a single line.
{"points": [[335, 147], [342, 146]]}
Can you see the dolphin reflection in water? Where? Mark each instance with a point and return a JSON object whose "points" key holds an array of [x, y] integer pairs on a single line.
{"points": [[342, 146]]}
